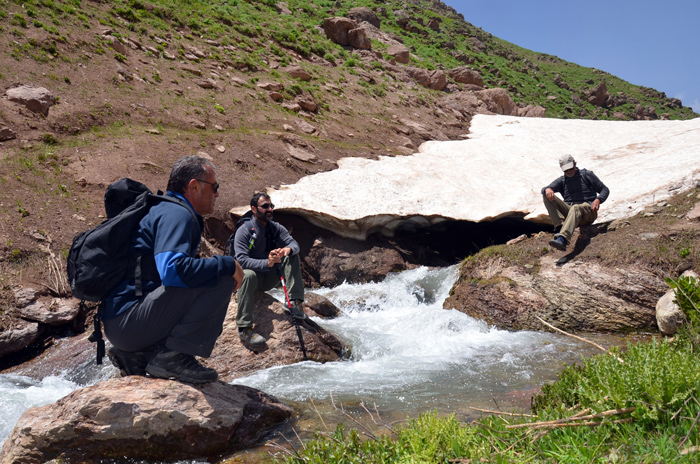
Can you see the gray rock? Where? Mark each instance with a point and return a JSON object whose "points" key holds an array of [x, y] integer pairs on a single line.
{"points": [[144, 419], [669, 316], [362, 13], [297, 72], [36, 99], [7, 134], [18, 336], [400, 53], [57, 312]]}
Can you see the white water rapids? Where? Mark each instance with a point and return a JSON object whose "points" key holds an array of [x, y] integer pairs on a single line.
{"points": [[411, 355], [408, 356]]}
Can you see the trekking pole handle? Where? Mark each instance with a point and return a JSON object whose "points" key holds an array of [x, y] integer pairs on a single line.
{"points": [[284, 285]]}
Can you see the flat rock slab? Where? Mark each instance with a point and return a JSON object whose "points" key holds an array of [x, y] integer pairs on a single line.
{"points": [[144, 419], [498, 172]]}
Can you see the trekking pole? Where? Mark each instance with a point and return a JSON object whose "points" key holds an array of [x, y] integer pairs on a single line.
{"points": [[289, 305]]}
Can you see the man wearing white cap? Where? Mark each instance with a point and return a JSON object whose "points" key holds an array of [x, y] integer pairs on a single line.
{"points": [[583, 193]]}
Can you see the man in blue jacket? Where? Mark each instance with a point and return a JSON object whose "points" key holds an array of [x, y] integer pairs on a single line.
{"points": [[184, 298], [583, 194], [261, 245]]}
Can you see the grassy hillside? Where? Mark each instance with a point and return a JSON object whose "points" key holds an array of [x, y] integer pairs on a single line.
{"points": [[140, 84], [254, 33]]}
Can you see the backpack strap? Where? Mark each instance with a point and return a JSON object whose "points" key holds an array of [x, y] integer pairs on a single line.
{"points": [[146, 269]]}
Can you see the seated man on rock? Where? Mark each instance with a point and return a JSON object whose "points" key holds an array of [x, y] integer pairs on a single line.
{"points": [[262, 246], [181, 312], [583, 193]]}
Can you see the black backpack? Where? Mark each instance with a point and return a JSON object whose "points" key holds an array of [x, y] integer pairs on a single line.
{"points": [[100, 258]]}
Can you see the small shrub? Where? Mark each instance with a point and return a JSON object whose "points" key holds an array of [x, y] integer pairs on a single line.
{"points": [[19, 20], [49, 139], [220, 109], [119, 57]]}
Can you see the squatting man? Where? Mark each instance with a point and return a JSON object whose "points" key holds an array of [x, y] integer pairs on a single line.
{"points": [[264, 247], [184, 305], [583, 194]]}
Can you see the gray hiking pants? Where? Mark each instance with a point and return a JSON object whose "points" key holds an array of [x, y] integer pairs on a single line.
{"points": [[188, 320], [252, 281], [572, 216]]}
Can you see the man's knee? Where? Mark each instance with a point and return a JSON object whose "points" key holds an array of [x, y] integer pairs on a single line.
{"points": [[249, 277]]}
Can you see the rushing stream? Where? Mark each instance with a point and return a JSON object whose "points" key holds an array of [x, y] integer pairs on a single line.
{"points": [[408, 356]]}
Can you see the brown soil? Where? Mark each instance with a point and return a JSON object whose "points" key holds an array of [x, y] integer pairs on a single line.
{"points": [[133, 119]]}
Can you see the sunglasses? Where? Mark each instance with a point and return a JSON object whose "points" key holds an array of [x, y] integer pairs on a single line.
{"points": [[215, 187], [267, 206]]}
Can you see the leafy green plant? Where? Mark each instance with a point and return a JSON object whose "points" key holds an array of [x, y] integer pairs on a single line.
{"points": [[687, 290]]}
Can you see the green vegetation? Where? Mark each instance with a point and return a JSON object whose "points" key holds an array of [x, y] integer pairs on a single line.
{"points": [[438, 37], [641, 405]]}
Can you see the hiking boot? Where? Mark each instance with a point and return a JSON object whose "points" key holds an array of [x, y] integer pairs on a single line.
{"points": [[249, 336], [559, 243], [297, 311], [180, 366], [128, 363]]}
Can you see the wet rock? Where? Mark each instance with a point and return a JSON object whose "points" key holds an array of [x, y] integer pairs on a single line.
{"points": [[322, 306], [65, 357], [337, 260], [232, 359], [154, 419]]}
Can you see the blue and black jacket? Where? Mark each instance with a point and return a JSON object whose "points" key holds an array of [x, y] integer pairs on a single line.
{"points": [[169, 234]]}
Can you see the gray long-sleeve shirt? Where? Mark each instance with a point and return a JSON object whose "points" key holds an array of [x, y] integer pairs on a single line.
{"points": [[250, 243], [584, 186]]}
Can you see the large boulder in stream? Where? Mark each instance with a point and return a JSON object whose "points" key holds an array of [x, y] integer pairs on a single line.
{"points": [[146, 419], [512, 286], [233, 359]]}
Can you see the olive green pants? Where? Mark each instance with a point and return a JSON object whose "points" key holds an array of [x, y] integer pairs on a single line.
{"points": [[264, 281], [569, 217]]}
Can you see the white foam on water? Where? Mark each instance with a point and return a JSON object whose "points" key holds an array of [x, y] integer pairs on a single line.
{"points": [[406, 348], [18, 393]]}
